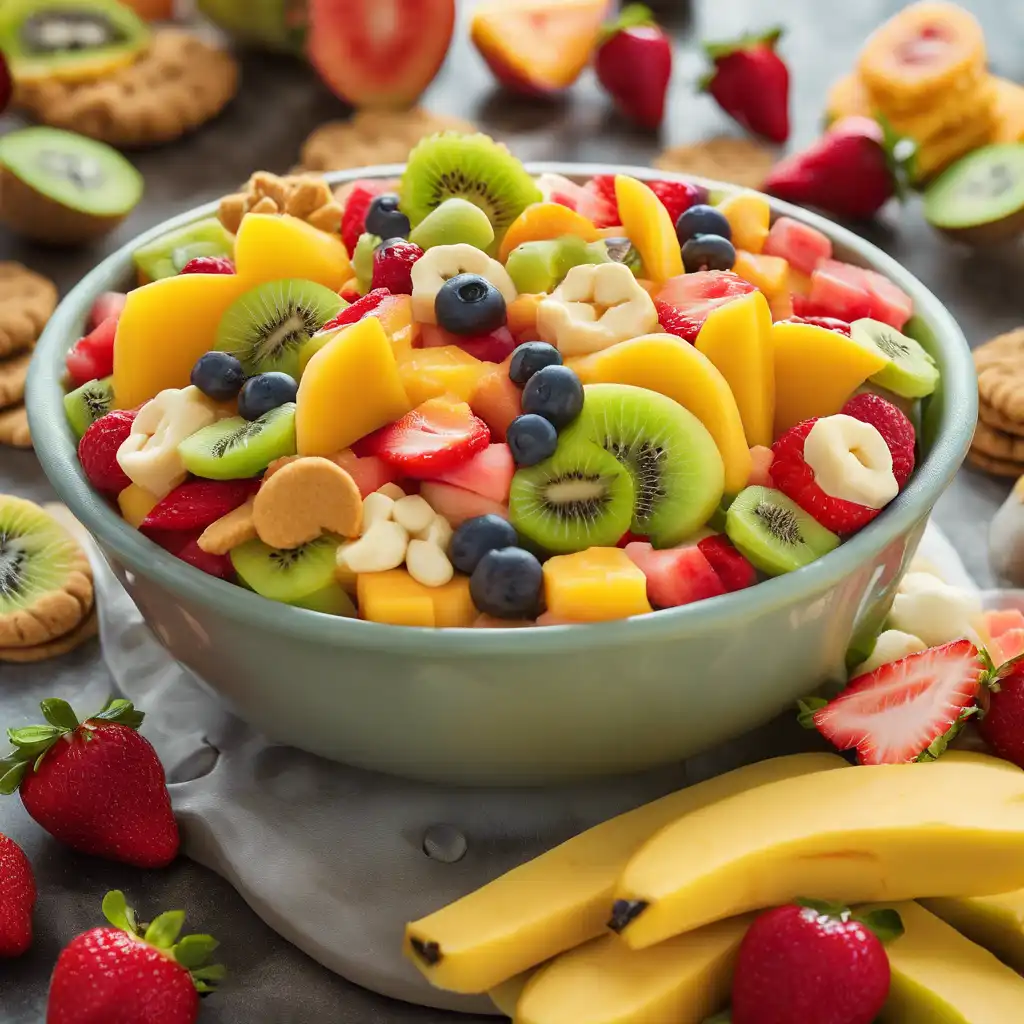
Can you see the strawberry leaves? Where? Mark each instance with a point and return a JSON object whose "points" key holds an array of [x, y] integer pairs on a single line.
{"points": [[885, 923]]}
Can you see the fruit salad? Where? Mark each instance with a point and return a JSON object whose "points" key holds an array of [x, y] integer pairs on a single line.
{"points": [[500, 400]]}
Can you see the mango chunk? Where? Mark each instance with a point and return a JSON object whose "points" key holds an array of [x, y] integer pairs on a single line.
{"points": [[545, 221], [269, 247], [649, 227], [136, 503], [562, 898], [994, 922], [453, 607], [685, 979], [894, 830], [349, 388], [431, 372], [663, 363], [816, 371], [496, 400], [595, 585], [394, 597], [737, 338], [769, 273], [749, 216]]}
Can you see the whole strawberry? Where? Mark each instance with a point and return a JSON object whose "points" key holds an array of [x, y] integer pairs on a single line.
{"points": [[1002, 725], [634, 63], [17, 899], [750, 81], [852, 171], [132, 974], [97, 451], [209, 265], [96, 786], [812, 963], [393, 260]]}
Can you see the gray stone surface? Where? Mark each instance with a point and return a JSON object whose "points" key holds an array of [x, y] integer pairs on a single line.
{"points": [[271, 981]]}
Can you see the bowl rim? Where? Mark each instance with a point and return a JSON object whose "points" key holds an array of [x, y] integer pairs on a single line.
{"points": [[57, 453]]}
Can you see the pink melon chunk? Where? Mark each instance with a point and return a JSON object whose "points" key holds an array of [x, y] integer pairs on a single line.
{"points": [[457, 504], [884, 300], [761, 460], [801, 245], [675, 576], [488, 473], [1002, 620], [837, 293], [369, 472]]}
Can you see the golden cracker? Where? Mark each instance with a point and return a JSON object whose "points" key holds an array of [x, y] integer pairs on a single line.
{"points": [[14, 430], [1000, 367], [306, 196], [997, 467], [82, 633], [727, 159], [998, 445], [27, 300], [13, 373], [230, 531], [991, 418]]}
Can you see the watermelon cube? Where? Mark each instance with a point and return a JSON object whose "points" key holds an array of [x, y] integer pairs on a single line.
{"points": [[488, 473], [801, 245], [886, 302], [836, 292], [676, 576]]}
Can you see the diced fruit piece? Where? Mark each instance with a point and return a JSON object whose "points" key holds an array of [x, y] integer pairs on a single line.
{"points": [[456, 221], [1005, 629], [1003, 620], [735, 572], [749, 216], [395, 598], [392, 265], [894, 426], [431, 372], [781, 306], [453, 604], [816, 370], [92, 357], [357, 204], [770, 274], [595, 585], [457, 504], [737, 338], [109, 304], [171, 253], [332, 600], [540, 266], [507, 583], [269, 247], [649, 227], [676, 576], [802, 246], [369, 472], [350, 388], [488, 473], [660, 362], [209, 265], [196, 504], [97, 451], [909, 370], [497, 401], [844, 291], [235, 448], [493, 347], [136, 503], [830, 323], [761, 459], [694, 296], [522, 317], [543, 221], [88, 403], [287, 576]]}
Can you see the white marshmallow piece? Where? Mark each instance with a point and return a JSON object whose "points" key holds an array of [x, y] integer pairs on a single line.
{"points": [[931, 609], [413, 513], [851, 461], [382, 547], [377, 508], [428, 564]]}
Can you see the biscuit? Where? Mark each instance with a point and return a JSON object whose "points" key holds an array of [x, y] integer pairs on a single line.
{"points": [[230, 531], [306, 196], [83, 632], [1000, 367], [997, 445], [14, 431], [937, 153], [179, 83], [992, 419], [27, 300], [997, 467], [374, 137], [13, 372], [727, 159]]}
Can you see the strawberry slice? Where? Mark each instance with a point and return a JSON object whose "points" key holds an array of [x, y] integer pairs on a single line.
{"points": [[433, 439], [735, 572], [495, 347], [675, 196], [360, 194], [359, 309], [693, 296], [907, 710], [97, 451], [196, 504], [830, 323]]}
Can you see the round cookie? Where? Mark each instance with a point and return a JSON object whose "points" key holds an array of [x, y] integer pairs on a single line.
{"points": [[65, 644], [998, 445], [13, 373], [997, 467], [731, 160], [1000, 366], [992, 419], [179, 83], [27, 300], [14, 429]]}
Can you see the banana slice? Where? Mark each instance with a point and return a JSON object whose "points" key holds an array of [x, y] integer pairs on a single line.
{"points": [[851, 461], [149, 454], [595, 307], [892, 645], [931, 609], [442, 262]]}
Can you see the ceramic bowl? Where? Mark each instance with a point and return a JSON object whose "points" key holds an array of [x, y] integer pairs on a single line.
{"points": [[491, 707]]}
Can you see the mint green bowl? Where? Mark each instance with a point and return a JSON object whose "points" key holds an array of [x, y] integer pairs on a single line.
{"points": [[490, 707]]}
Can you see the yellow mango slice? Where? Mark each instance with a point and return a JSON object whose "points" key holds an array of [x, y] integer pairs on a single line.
{"points": [[749, 216], [816, 371], [136, 503], [737, 338], [394, 597], [164, 328], [683, 980], [995, 922], [453, 607], [349, 388], [595, 585], [894, 830], [269, 247], [649, 227], [939, 977], [663, 363], [562, 898], [545, 221], [798, 284], [430, 372], [769, 273]]}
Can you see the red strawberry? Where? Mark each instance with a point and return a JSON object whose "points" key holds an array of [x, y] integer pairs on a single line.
{"points": [[678, 196], [908, 710], [830, 323], [17, 899], [97, 451], [92, 357], [735, 572], [675, 576], [434, 438], [634, 63], [109, 304], [350, 294], [198, 503], [392, 266], [208, 265], [750, 81], [630, 538], [675, 196], [353, 221], [694, 296], [603, 206], [6, 84], [1002, 726], [495, 347], [363, 307], [131, 973], [96, 786], [812, 963], [220, 566], [852, 171], [675, 321], [893, 425]]}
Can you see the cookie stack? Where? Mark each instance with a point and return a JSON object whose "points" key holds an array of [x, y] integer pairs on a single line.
{"points": [[998, 445]]}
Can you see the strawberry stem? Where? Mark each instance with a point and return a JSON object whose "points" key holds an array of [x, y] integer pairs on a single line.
{"points": [[631, 16], [900, 155], [718, 51], [806, 709], [885, 923]]}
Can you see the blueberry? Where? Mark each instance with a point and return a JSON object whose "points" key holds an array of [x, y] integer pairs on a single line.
{"points": [[532, 439], [475, 537], [219, 375], [507, 584], [384, 218], [708, 252], [264, 392], [702, 220], [554, 393], [469, 304], [531, 357]]}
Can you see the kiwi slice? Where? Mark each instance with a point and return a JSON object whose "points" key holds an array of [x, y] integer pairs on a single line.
{"points": [[362, 260], [267, 326], [581, 497], [62, 189], [168, 254], [910, 372], [86, 404], [774, 533], [455, 221], [69, 40], [292, 576], [540, 266], [332, 600], [676, 467], [980, 199], [622, 250], [471, 167], [235, 449]]}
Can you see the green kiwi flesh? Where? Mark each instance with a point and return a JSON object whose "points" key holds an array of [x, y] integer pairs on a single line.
{"points": [[288, 576], [236, 449], [266, 327], [910, 373], [455, 221], [86, 404], [581, 497], [470, 167], [675, 464], [362, 260], [540, 266], [168, 254], [332, 600], [774, 533]]}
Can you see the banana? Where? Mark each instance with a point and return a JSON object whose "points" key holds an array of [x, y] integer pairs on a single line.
{"points": [[149, 454], [931, 609], [851, 461], [892, 645], [594, 308], [442, 262]]}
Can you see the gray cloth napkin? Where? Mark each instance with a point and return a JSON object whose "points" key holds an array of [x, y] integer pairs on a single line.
{"points": [[337, 859]]}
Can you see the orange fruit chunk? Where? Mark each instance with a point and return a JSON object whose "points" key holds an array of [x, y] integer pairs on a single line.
{"points": [[540, 222]]}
